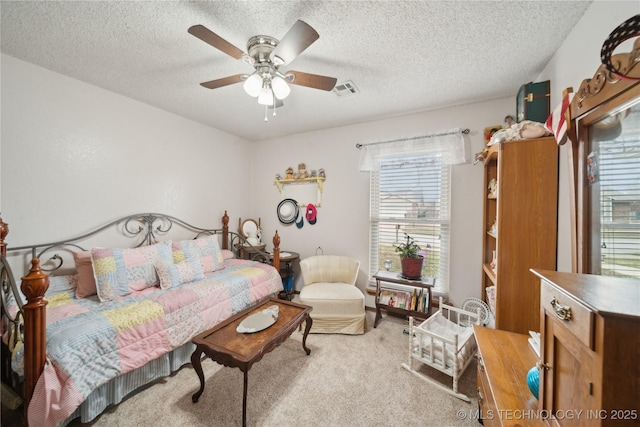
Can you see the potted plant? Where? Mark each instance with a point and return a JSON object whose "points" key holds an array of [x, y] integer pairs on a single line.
{"points": [[410, 258]]}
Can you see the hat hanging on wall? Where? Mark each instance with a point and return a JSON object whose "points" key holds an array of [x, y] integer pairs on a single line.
{"points": [[300, 221], [287, 211], [311, 213], [628, 29]]}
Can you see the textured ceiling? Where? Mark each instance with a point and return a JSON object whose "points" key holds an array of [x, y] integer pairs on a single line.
{"points": [[403, 56]]}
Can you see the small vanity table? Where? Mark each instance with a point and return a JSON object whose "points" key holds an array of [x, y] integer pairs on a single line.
{"points": [[246, 251], [250, 230]]}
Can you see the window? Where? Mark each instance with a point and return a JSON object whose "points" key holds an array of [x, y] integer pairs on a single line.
{"points": [[410, 195], [614, 193], [410, 192]]}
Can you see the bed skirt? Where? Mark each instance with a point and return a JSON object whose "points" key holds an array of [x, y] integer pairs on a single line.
{"points": [[117, 389]]}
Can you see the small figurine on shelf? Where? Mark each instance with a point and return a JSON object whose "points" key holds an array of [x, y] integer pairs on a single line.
{"points": [[493, 188], [509, 121], [494, 263], [278, 177], [302, 171], [480, 156], [314, 173], [489, 132], [493, 229], [289, 173], [321, 173]]}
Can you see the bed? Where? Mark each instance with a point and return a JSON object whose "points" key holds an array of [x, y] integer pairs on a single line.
{"points": [[445, 342], [71, 354]]}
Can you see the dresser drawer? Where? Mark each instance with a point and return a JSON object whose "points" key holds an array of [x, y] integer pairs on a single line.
{"points": [[571, 313], [486, 401]]}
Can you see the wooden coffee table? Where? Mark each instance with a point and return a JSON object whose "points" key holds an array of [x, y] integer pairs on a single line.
{"points": [[228, 347]]}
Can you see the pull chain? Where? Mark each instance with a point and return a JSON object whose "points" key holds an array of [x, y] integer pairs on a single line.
{"points": [[265, 114]]}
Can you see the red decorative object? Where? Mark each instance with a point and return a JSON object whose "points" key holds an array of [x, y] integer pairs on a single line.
{"points": [[412, 267]]}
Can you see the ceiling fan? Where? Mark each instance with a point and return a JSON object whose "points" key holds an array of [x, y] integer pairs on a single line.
{"points": [[266, 54]]}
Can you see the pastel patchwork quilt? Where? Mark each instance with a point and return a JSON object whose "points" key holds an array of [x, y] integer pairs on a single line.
{"points": [[91, 342]]}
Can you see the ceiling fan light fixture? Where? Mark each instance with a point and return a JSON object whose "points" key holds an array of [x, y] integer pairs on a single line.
{"points": [[280, 87], [266, 96], [253, 85], [266, 54]]}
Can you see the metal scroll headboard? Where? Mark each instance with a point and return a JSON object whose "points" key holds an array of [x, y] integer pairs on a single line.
{"points": [[145, 227]]}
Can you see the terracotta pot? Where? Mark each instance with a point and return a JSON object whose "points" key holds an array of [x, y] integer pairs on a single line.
{"points": [[412, 267]]}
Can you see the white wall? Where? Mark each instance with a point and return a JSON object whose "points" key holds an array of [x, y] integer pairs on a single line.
{"points": [[75, 156], [342, 227], [577, 59]]}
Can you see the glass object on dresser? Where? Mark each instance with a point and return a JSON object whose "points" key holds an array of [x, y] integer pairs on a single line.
{"points": [[604, 129]]}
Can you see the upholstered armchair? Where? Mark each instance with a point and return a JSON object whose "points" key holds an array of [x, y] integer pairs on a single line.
{"points": [[329, 287]]}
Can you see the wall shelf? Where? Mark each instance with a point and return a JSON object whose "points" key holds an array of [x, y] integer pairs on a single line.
{"points": [[282, 182], [319, 181]]}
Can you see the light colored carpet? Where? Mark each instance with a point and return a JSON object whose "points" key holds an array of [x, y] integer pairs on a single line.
{"points": [[345, 381]]}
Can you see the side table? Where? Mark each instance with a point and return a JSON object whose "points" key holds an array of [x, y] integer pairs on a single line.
{"points": [[425, 283], [286, 272], [247, 251]]}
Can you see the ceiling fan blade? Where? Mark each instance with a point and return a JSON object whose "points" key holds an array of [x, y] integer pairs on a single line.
{"points": [[299, 37], [208, 36], [225, 81], [311, 80]]}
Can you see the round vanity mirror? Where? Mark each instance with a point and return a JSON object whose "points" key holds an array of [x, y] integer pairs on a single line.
{"points": [[249, 230]]}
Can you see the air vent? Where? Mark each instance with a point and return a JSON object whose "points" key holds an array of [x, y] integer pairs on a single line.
{"points": [[345, 89]]}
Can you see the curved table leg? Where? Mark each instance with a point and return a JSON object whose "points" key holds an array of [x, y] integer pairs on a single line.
{"points": [[197, 366], [378, 316], [307, 328]]}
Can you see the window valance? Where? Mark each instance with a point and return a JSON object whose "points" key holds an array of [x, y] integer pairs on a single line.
{"points": [[449, 144]]}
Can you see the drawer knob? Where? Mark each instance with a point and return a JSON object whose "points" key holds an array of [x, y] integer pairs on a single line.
{"points": [[563, 312], [542, 365], [480, 362]]}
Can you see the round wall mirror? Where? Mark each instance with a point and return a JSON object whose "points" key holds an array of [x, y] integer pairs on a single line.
{"points": [[249, 228]]}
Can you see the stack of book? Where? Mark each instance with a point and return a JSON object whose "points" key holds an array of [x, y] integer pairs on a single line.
{"points": [[416, 301]]}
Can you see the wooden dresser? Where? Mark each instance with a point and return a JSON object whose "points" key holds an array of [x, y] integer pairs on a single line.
{"points": [[590, 348], [504, 358]]}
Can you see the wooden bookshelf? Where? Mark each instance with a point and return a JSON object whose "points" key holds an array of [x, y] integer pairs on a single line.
{"points": [[520, 225]]}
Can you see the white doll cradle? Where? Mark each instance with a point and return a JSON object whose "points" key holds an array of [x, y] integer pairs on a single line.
{"points": [[445, 342]]}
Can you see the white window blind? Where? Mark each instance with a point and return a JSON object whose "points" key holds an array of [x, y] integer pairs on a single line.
{"points": [[410, 195], [615, 197]]}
